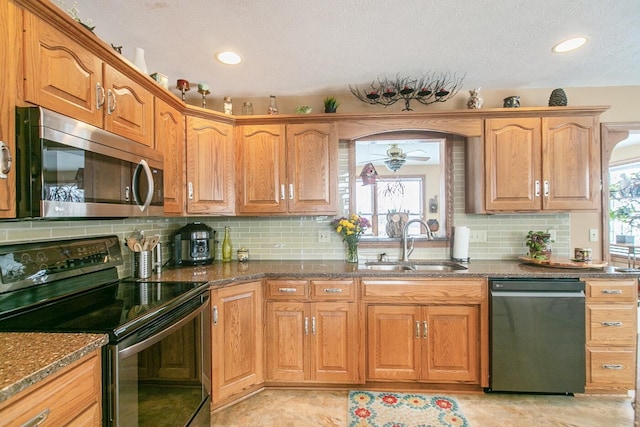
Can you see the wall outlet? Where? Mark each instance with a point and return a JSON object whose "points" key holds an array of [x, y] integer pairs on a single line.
{"points": [[593, 234], [323, 237], [478, 236]]}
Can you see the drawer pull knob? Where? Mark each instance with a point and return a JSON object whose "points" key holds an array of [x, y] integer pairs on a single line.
{"points": [[611, 323], [38, 419], [287, 290], [333, 290], [612, 291], [614, 367]]}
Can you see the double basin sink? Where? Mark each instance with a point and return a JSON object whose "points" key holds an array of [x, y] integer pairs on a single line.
{"points": [[414, 266]]}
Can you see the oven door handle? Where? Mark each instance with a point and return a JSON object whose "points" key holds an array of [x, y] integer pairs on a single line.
{"points": [[128, 351]]}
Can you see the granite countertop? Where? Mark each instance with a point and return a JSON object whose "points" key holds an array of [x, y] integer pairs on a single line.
{"points": [[26, 358], [224, 273]]}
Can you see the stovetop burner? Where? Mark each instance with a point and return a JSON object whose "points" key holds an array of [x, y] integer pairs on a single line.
{"points": [[86, 295]]}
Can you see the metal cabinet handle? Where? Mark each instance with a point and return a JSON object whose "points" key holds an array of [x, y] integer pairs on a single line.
{"points": [[287, 290], [546, 189], [99, 96], [38, 419], [425, 329], [282, 192], [332, 290], [313, 325], [537, 188], [111, 107], [611, 323], [612, 291], [190, 190], [306, 325], [290, 191], [5, 159], [417, 329], [614, 367], [215, 315]]}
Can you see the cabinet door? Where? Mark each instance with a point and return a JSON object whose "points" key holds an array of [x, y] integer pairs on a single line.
{"points": [[9, 39], [288, 328], [128, 108], [570, 163], [334, 348], [312, 168], [452, 351], [59, 74], [170, 141], [512, 162], [210, 160], [237, 339], [394, 342], [261, 186]]}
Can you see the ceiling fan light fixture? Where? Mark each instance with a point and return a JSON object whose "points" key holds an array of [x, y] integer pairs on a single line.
{"points": [[394, 164], [569, 44], [228, 57]]}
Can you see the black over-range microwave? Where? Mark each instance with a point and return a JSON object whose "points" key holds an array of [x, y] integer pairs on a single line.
{"points": [[70, 169]]}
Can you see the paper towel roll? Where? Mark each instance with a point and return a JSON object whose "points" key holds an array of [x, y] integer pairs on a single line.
{"points": [[461, 243]]}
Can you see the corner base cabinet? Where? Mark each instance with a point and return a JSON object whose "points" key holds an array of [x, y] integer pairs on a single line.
{"points": [[612, 331]]}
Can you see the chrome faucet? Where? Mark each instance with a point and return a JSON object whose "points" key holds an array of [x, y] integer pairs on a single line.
{"points": [[406, 251]]}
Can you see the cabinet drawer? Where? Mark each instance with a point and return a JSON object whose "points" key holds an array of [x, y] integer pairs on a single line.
{"points": [[322, 290], [424, 290], [610, 324], [611, 367], [287, 289], [72, 396], [612, 290]]}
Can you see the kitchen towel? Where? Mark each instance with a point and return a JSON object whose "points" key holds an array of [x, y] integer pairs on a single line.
{"points": [[461, 243]]}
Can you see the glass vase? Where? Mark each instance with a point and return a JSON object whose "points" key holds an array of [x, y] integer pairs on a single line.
{"points": [[352, 251]]}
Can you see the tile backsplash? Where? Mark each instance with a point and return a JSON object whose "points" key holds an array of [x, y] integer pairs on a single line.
{"points": [[283, 238]]}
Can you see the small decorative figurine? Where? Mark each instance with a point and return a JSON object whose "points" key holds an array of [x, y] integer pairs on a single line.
{"points": [[475, 102], [368, 174], [512, 102], [558, 98]]}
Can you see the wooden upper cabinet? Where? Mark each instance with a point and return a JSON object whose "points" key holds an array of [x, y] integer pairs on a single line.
{"points": [[533, 164], [312, 168], [63, 76], [210, 167], [261, 174], [60, 74], [129, 107], [571, 163], [513, 150], [287, 169], [170, 140]]}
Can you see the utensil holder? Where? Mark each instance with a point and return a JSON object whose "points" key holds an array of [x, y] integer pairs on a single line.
{"points": [[142, 264]]}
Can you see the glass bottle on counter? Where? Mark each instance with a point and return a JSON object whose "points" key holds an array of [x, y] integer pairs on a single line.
{"points": [[273, 107], [226, 246]]}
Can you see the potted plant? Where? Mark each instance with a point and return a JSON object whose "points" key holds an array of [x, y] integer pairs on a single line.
{"points": [[331, 104], [624, 198], [539, 244]]}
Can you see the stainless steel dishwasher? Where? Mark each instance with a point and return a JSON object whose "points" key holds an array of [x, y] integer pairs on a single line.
{"points": [[537, 335]]}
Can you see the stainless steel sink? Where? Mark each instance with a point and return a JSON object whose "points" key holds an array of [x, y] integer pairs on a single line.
{"points": [[414, 266]]}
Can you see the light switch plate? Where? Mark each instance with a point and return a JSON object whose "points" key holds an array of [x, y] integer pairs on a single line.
{"points": [[593, 234]]}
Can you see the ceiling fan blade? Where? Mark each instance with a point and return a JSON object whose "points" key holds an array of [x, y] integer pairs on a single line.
{"points": [[418, 158]]}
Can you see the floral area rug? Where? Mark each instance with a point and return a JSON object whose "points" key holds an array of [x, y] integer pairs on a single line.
{"points": [[379, 409]]}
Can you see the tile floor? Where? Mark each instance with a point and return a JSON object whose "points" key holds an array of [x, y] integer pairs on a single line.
{"points": [[303, 408]]}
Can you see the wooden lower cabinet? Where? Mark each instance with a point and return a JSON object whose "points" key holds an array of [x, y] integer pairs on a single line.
{"points": [[612, 330], [71, 397], [312, 341], [237, 340], [423, 343]]}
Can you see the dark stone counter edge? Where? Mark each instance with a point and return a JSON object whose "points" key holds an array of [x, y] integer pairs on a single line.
{"points": [[52, 368]]}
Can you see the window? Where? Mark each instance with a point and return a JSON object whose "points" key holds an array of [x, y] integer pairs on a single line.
{"points": [[397, 195], [624, 202]]}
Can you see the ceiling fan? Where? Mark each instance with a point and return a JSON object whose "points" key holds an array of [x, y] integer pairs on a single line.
{"points": [[396, 157]]}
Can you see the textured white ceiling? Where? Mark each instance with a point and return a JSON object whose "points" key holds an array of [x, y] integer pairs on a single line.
{"points": [[302, 47]]}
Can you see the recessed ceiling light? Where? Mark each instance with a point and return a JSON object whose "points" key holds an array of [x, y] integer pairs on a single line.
{"points": [[570, 44], [229, 58]]}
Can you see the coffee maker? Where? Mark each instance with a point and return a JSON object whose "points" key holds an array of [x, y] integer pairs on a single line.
{"points": [[194, 244]]}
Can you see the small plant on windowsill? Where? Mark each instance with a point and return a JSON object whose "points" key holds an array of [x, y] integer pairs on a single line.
{"points": [[539, 244]]}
